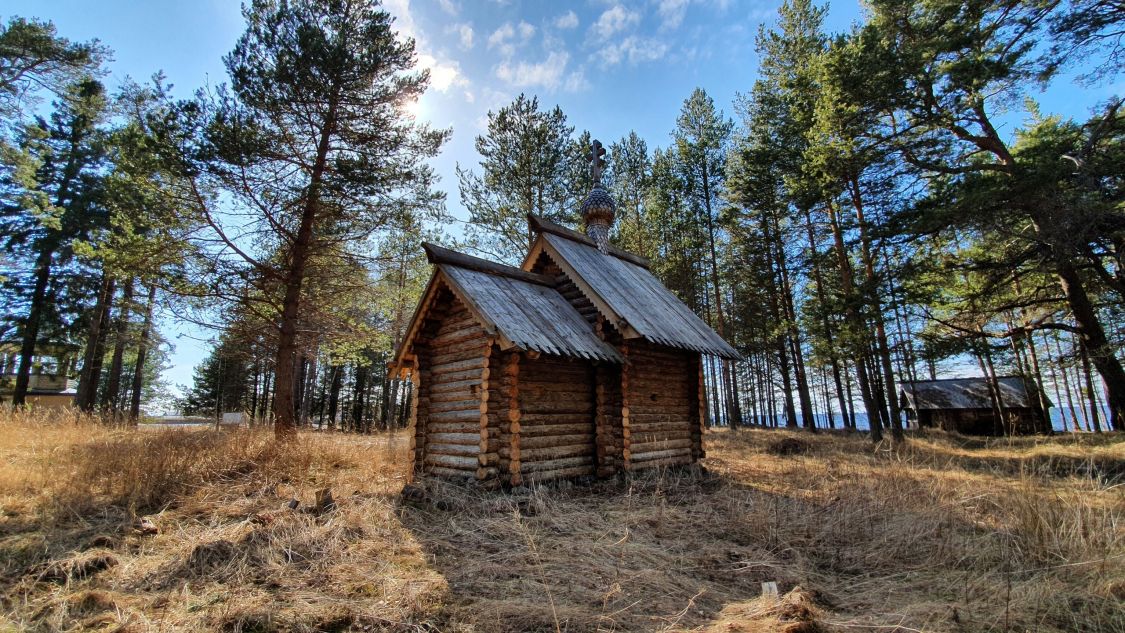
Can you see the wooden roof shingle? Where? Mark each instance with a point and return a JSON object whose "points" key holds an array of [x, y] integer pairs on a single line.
{"points": [[635, 297], [523, 308]]}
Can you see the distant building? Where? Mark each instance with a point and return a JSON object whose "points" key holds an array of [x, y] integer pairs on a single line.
{"points": [[52, 381], [967, 405]]}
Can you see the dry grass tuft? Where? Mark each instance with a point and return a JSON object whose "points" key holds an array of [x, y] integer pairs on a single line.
{"points": [[943, 534]]}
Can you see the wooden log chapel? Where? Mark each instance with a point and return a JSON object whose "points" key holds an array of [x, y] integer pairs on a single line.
{"points": [[578, 363]]}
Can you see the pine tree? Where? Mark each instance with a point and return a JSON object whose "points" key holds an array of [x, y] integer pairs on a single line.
{"points": [[56, 192], [315, 147], [526, 167], [33, 58]]}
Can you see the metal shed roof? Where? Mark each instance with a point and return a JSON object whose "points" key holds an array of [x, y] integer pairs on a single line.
{"points": [[967, 393], [635, 296]]}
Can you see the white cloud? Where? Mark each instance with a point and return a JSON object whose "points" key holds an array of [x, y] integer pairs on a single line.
{"points": [[547, 74], [568, 20], [500, 39], [503, 39], [671, 13], [465, 32], [526, 31], [634, 50], [576, 82], [450, 7], [615, 19], [444, 73]]}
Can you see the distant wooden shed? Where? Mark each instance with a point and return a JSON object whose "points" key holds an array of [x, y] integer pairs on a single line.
{"points": [[967, 405], [579, 363]]}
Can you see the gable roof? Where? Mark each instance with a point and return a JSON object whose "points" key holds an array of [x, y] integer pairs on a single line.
{"points": [[522, 309], [967, 393], [626, 292]]}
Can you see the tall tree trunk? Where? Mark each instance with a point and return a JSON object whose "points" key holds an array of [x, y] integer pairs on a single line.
{"points": [[95, 341], [334, 394], [853, 318], [359, 391], [884, 351], [284, 401], [1094, 342], [111, 398], [822, 299], [142, 356], [1090, 391], [1066, 384], [731, 402], [808, 419], [32, 322]]}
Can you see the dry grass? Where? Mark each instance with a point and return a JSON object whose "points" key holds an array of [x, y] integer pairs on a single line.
{"points": [[945, 534]]}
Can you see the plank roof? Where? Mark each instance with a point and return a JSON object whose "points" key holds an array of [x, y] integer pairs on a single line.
{"points": [[531, 316], [967, 393], [520, 307], [637, 301]]}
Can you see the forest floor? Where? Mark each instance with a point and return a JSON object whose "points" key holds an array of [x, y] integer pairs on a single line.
{"points": [[184, 530]]}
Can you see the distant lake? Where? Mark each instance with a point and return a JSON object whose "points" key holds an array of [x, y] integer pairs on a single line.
{"points": [[862, 423]]}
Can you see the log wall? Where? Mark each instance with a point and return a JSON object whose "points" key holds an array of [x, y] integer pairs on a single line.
{"points": [[567, 288], [660, 415], [556, 421], [452, 420]]}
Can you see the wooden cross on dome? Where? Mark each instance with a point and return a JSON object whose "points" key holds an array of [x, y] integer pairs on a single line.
{"points": [[597, 161]]}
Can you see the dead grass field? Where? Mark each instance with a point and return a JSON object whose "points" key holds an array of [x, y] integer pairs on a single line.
{"points": [[944, 534]]}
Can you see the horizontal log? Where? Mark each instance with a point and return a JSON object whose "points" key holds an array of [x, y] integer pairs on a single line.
{"points": [[547, 441], [471, 415], [557, 382], [539, 369], [662, 388], [637, 457], [528, 455], [451, 473], [639, 437], [454, 427], [466, 439], [571, 409], [528, 430], [586, 462], [658, 463], [450, 337], [548, 419], [651, 446], [561, 473], [453, 461], [462, 404], [471, 450], [443, 373], [457, 386], [660, 418], [464, 374], [453, 354], [454, 396]]}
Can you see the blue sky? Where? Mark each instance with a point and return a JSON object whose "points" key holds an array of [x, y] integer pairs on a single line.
{"points": [[612, 65]]}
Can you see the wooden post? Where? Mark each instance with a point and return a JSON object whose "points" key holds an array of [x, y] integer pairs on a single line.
{"points": [[510, 384], [603, 420], [626, 462], [486, 457], [700, 411], [419, 411]]}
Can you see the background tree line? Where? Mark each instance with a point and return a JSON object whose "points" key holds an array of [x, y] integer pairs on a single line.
{"points": [[858, 223]]}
